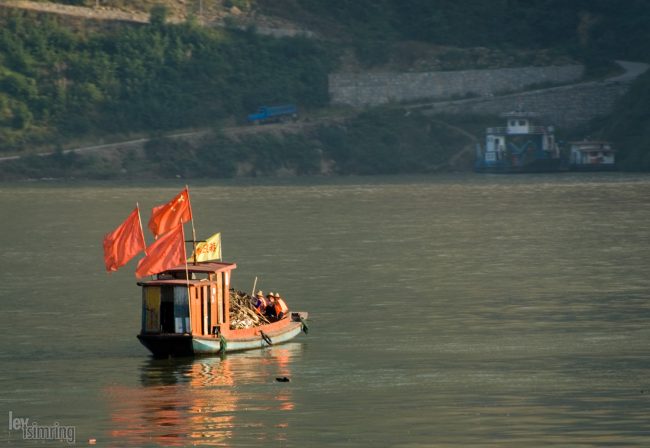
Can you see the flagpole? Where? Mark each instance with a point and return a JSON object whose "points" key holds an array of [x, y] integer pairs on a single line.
{"points": [[187, 279], [254, 285], [187, 188], [144, 243]]}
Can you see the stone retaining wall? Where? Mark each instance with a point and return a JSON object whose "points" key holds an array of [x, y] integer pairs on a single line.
{"points": [[565, 106], [371, 89]]}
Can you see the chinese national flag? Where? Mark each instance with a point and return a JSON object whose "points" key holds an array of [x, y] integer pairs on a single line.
{"points": [[166, 252], [123, 243], [166, 216]]}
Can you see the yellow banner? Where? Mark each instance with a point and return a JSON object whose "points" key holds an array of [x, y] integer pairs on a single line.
{"points": [[208, 250]]}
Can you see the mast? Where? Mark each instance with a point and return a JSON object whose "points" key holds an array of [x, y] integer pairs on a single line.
{"points": [[187, 188], [144, 243], [187, 280]]}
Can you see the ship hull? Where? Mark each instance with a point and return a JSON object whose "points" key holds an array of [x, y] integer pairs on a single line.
{"points": [[182, 345], [537, 166], [592, 168]]}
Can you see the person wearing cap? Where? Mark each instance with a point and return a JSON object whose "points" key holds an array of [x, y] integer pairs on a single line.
{"points": [[260, 303], [270, 307], [281, 308]]}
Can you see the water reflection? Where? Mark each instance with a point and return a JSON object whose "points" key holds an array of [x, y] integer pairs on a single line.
{"points": [[204, 401]]}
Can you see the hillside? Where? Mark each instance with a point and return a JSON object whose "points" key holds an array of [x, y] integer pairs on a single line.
{"points": [[65, 79]]}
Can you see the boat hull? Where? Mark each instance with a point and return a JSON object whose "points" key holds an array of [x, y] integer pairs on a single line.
{"points": [[180, 345], [593, 168], [211, 346], [165, 345], [536, 166]]}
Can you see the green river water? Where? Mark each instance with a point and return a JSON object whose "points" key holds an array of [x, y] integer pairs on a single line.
{"points": [[451, 311]]}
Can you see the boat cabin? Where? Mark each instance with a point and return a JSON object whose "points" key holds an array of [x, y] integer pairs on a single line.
{"points": [[187, 300], [592, 156]]}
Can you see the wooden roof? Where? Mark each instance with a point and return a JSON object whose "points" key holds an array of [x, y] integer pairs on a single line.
{"points": [[592, 145], [205, 267], [211, 267]]}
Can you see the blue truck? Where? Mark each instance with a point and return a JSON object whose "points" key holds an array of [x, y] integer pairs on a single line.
{"points": [[273, 114]]}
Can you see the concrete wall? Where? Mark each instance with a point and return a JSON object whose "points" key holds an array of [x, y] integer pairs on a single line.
{"points": [[371, 89], [565, 106]]}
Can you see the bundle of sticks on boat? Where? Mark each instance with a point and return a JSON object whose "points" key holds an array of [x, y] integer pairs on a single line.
{"points": [[242, 313]]}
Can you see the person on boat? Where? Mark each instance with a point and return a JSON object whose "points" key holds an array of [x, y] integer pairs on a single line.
{"points": [[260, 303], [281, 308], [270, 307]]}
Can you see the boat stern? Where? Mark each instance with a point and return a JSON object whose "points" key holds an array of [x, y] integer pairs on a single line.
{"points": [[166, 345]]}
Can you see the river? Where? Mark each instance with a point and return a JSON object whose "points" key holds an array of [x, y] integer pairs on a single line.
{"points": [[445, 311]]}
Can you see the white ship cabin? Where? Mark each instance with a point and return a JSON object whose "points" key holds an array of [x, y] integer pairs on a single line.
{"points": [[592, 154], [518, 125]]}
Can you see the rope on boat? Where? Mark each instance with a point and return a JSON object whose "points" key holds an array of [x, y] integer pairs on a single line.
{"points": [[223, 344], [266, 338], [305, 328]]}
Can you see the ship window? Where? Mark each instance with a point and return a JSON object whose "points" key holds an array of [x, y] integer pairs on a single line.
{"points": [[513, 123], [522, 123]]}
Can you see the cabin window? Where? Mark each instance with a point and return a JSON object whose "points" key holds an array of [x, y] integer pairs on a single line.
{"points": [[513, 123], [522, 123]]}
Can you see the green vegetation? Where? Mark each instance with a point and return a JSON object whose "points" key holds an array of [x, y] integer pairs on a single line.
{"points": [[381, 141], [389, 142], [57, 84], [63, 81], [219, 156], [593, 29], [629, 127]]}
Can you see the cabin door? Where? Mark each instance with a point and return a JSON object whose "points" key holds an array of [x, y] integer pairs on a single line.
{"points": [[207, 309], [151, 309], [167, 309], [181, 310], [174, 315]]}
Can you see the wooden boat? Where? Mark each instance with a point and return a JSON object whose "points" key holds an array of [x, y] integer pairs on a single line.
{"points": [[187, 311], [590, 155]]}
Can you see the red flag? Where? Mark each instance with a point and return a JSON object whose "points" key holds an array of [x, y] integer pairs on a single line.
{"points": [[166, 216], [124, 243], [166, 252]]}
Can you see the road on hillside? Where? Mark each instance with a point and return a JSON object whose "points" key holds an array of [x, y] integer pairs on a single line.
{"points": [[632, 71], [232, 131]]}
